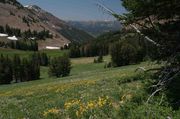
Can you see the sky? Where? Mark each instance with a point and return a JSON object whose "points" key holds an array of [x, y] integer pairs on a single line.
{"points": [[77, 10]]}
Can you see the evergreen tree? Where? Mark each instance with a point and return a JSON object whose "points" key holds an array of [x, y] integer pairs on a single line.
{"points": [[16, 68], [123, 54], [44, 61], [2, 29], [60, 66], [74, 51], [35, 66], [12, 45], [158, 22], [3, 1], [2, 44], [6, 73], [8, 30]]}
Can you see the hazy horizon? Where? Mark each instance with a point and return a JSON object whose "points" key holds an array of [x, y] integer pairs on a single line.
{"points": [[81, 10]]}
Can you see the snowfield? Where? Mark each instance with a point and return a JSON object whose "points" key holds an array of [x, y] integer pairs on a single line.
{"points": [[3, 35], [52, 48], [13, 38]]}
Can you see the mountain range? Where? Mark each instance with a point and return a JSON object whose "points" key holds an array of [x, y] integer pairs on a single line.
{"points": [[96, 28], [32, 17]]}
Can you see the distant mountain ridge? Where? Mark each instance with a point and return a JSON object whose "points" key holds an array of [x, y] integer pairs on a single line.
{"points": [[34, 18], [96, 28], [65, 29]]}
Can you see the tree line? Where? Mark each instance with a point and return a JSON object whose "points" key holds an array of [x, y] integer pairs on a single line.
{"points": [[41, 35], [27, 45], [125, 48], [96, 47], [18, 69]]}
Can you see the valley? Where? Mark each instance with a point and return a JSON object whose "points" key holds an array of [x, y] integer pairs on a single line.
{"points": [[85, 60]]}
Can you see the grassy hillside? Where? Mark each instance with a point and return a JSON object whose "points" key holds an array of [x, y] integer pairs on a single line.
{"points": [[89, 92]]}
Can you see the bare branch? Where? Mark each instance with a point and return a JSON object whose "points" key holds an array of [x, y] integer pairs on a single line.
{"points": [[146, 37], [145, 27], [108, 10], [151, 22], [161, 99], [122, 19], [140, 68], [156, 91], [154, 69]]}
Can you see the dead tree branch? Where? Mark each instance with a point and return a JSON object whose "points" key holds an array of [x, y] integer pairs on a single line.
{"points": [[156, 91], [123, 19]]}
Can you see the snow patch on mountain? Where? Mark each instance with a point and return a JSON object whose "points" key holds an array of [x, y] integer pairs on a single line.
{"points": [[34, 7]]}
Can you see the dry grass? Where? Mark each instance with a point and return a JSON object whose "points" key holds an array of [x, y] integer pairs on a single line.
{"points": [[87, 60]]}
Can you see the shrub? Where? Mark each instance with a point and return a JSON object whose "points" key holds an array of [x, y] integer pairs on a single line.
{"points": [[123, 54], [60, 67]]}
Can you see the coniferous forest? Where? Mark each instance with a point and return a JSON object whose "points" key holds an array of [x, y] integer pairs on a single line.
{"points": [[18, 70]]}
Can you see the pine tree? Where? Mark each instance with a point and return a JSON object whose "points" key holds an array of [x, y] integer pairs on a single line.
{"points": [[123, 54], [35, 66], [8, 30], [60, 66], [16, 68], [2, 29], [44, 61], [6, 73]]}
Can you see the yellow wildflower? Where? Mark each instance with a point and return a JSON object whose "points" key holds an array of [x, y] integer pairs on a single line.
{"points": [[85, 107], [51, 111], [90, 105], [77, 113], [68, 105]]}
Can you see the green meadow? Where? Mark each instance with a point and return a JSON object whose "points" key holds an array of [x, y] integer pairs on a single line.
{"points": [[90, 92], [12, 52]]}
